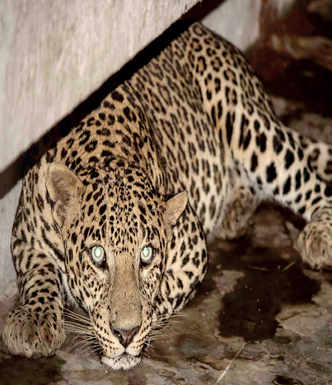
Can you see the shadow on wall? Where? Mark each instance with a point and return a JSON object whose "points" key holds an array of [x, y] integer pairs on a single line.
{"points": [[16, 170]]}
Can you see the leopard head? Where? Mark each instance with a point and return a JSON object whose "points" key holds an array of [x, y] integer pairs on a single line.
{"points": [[115, 228]]}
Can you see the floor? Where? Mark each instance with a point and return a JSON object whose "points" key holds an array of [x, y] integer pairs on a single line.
{"points": [[260, 316]]}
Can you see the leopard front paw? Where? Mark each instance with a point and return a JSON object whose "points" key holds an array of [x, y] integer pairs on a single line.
{"points": [[315, 244], [33, 334]]}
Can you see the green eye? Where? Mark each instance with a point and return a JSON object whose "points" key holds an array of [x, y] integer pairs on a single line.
{"points": [[97, 254], [146, 255]]}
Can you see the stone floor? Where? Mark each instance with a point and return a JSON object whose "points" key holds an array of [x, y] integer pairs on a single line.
{"points": [[260, 317]]}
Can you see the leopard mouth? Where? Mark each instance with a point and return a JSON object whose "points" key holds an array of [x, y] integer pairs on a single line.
{"points": [[125, 361]]}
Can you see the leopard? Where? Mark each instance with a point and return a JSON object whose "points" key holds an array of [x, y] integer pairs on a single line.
{"points": [[116, 217]]}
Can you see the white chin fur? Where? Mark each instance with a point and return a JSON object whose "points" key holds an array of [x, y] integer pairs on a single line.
{"points": [[124, 362]]}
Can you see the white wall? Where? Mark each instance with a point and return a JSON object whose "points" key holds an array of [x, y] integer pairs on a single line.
{"points": [[55, 53], [237, 21]]}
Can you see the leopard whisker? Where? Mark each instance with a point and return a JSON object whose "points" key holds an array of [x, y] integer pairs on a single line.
{"points": [[93, 346], [165, 321], [78, 317], [75, 322], [78, 325], [77, 330], [89, 344]]}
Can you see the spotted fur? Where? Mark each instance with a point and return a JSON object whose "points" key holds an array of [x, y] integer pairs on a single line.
{"points": [[181, 152]]}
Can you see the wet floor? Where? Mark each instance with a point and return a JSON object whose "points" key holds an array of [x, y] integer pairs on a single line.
{"points": [[250, 310], [22, 371]]}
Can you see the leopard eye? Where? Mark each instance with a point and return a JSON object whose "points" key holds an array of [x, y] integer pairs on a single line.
{"points": [[97, 254], [147, 254]]}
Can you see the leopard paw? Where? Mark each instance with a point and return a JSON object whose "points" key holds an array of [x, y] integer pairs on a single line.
{"points": [[315, 244], [33, 334]]}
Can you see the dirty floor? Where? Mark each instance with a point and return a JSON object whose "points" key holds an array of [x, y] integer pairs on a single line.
{"points": [[260, 317]]}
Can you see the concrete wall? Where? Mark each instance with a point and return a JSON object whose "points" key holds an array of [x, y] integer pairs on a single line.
{"points": [[237, 21], [54, 54]]}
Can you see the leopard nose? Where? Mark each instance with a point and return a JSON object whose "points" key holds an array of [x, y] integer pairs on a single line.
{"points": [[125, 336]]}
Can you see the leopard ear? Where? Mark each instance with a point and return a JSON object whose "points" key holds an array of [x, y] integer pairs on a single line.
{"points": [[174, 208], [63, 187]]}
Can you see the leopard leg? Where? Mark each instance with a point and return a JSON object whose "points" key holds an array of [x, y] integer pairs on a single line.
{"points": [[238, 213], [279, 167], [35, 327], [315, 241]]}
